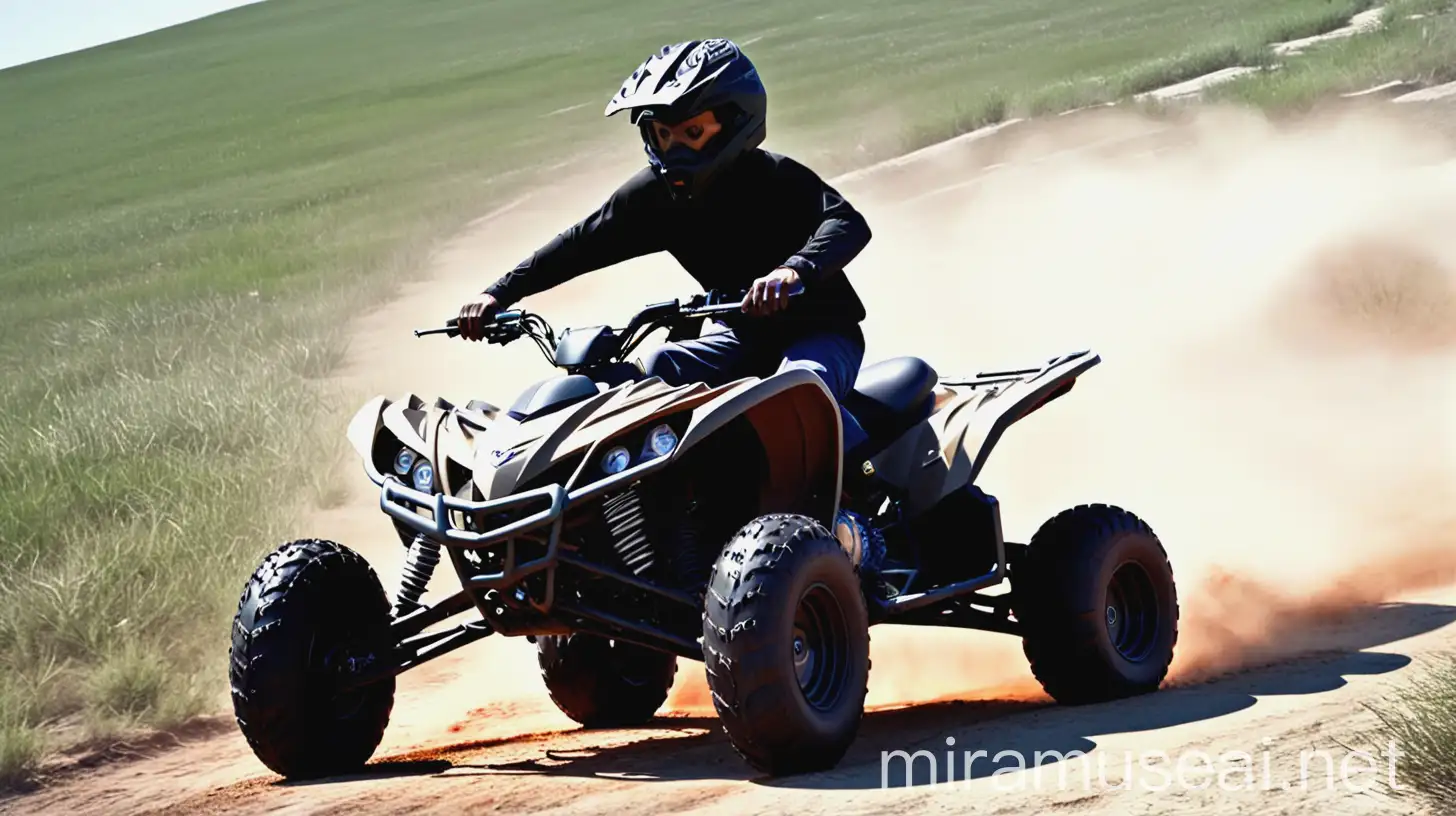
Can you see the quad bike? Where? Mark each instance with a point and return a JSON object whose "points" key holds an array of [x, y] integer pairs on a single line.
{"points": [[621, 523]]}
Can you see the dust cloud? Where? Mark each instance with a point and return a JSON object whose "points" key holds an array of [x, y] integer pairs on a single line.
{"points": [[1275, 308]]}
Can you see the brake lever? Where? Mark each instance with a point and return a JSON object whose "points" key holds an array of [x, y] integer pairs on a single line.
{"points": [[451, 329]]}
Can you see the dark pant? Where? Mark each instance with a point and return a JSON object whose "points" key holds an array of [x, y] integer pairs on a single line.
{"points": [[721, 357]]}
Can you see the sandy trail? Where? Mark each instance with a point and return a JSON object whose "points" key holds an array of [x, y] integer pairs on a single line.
{"points": [[1274, 310]]}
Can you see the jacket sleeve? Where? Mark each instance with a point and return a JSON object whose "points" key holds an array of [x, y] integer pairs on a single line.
{"points": [[842, 232], [621, 228]]}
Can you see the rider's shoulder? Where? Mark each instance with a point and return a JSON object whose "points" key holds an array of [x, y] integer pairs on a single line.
{"points": [[781, 164], [639, 182], [642, 187]]}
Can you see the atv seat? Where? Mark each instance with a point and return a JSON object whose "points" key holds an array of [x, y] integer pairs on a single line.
{"points": [[889, 397]]}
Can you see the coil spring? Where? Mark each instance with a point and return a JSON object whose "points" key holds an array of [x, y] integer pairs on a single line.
{"points": [[627, 525], [419, 566]]}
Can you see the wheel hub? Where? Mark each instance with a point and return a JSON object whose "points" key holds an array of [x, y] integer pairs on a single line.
{"points": [[803, 658], [1133, 623], [820, 647], [337, 668]]}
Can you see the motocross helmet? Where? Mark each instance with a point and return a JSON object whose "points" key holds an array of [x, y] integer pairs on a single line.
{"points": [[684, 82]]}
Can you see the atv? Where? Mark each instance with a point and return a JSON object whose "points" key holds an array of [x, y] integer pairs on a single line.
{"points": [[621, 523]]}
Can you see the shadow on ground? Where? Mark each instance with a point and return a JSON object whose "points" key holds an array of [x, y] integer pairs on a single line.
{"points": [[702, 750]]}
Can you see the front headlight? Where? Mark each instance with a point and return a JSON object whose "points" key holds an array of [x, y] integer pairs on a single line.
{"points": [[424, 477], [615, 461], [403, 461], [661, 441]]}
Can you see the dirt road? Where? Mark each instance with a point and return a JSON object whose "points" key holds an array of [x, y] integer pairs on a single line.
{"points": [[1274, 311]]}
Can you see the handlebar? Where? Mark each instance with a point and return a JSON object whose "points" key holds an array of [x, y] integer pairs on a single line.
{"points": [[512, 325]]}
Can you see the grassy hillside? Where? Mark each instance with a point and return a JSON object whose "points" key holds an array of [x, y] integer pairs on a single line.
{"points": [[1416, 42], [187, 220]]}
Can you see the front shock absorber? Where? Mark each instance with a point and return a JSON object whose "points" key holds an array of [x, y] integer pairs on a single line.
{"points": [[419, 566]]}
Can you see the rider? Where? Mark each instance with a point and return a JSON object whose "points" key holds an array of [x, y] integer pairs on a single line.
{"points": [[733, 215]]}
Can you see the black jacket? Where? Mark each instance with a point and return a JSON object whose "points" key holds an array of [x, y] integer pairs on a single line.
{"points": [[765, 211]]}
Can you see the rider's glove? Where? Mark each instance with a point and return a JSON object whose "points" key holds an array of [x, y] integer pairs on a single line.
{"points": [[771, 292], [476, 315]]}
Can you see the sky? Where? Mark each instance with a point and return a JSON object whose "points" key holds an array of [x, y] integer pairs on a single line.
{"points": [[36, 29]]}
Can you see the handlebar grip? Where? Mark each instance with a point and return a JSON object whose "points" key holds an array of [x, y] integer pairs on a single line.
{"points": [[737, 297]]}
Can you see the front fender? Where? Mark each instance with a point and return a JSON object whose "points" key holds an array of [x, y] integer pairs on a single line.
{"points": [[798, 423], [364, 428], [405, 421]]}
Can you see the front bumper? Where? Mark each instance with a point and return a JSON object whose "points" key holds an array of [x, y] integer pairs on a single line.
{"points": [[533, 516], [404, 504]]}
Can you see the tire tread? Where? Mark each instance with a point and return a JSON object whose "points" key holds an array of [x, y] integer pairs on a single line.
{"points": [[279, 604]]}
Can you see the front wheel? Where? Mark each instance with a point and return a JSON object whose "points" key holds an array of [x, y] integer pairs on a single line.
{"points": [[786, 645], [1095, 596], [311, 615]]}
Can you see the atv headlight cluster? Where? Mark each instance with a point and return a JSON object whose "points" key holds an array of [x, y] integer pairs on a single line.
{"points": [[416, 468], [660, 441]]}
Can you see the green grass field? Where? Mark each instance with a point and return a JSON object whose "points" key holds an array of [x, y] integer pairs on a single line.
{"points": [[1416, 43], [188, 219]]}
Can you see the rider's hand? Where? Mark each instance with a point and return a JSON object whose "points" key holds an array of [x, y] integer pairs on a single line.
{"points": [[770, 293], [475, 315]]}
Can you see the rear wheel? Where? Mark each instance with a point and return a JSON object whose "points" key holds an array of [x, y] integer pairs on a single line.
{"points": [[1095, 595], [786, 645], [311, 616], [603, 683]]}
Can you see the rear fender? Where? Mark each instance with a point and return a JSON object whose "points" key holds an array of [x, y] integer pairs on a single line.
{"points": [[948, 449]]}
